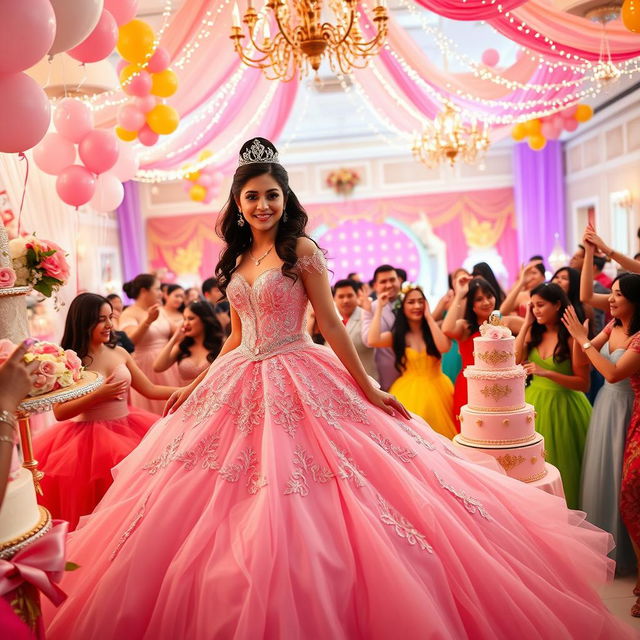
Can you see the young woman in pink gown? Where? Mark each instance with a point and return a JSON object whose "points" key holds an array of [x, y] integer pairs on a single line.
{"points": [[149, 329], [285, 496], [98, 430]]}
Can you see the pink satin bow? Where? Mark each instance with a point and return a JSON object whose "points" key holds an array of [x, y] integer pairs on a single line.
{"points": [[40, 564]]}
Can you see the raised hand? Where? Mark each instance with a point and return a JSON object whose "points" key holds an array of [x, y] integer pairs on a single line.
{"points": [[152, 313], [111, 390], [461, 285], [577, 330]]}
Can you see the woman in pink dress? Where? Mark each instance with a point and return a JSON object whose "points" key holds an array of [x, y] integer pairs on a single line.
{"points": [[98, 430], [195, 344], [285, 496], [149, 329]]}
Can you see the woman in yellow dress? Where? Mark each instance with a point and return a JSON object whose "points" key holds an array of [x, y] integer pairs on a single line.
{"points": [[418, 343]]}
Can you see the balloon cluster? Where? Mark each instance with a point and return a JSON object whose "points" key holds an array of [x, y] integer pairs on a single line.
{"points": [[104, 162], [202, 185], [631, 15], [145, 76], [539, 130]]}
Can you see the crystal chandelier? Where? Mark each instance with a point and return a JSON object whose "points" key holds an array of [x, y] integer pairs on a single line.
{"points": [[304, 37], [447, 139]]}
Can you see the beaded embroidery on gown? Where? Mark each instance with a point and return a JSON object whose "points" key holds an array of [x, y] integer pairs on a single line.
{"points": [[278, 503]]}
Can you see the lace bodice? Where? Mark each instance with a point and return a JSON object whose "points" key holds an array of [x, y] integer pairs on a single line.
{"points": [[272, 310]]}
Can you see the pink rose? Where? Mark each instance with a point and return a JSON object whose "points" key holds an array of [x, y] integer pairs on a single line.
{"points": [[42, 384], [7, 277], [47, 368], [47, 347], [6, 349], [74, 363], [55, 266]]}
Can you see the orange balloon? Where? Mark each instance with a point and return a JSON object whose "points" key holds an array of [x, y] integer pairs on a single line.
{"points": [[164, 83], [197, 193], [135, 41], [127, 72], [537, 143], [532, 127], [519, 131], [125, 135], [163, 119], [584, 113], [631, 15]]}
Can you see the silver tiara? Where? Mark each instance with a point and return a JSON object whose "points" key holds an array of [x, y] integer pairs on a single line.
{"points": [[258, 153]]}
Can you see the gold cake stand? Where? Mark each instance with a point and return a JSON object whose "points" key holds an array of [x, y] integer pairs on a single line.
{"points": [[89, 381]]}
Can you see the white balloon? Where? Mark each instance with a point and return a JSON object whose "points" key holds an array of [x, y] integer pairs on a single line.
{"points": [[109, 193], [75, 20]]}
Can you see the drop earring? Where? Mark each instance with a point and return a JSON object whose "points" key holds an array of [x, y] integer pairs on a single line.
{"points": [[284, 217], [240, 219]]}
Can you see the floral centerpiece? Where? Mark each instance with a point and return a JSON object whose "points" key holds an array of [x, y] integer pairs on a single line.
{"points": [[38, 263], [57, 368], [494, 328], [343, 181]]}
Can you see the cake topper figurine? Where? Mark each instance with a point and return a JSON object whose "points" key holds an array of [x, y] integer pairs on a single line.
{"points": [[495, 318]]}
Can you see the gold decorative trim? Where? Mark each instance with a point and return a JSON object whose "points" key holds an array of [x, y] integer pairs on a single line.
{"points": [[504, 442], [508, 462], [537, 476], [10, 547], [496, 391], [478, 409], [505, 422], [494, 357]]}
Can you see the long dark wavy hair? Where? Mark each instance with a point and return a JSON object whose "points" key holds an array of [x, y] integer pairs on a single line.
{"points": [[484, 270], [574, 290], [170, 289], [399, 333], [213, 332], [82, 318], [238, 238], [477, 284], [553, 293], [630, 288]]}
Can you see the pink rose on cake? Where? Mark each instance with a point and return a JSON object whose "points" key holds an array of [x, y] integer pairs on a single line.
{"points": [[74, 363], [495, 331], [7, 277], [42, 384]]}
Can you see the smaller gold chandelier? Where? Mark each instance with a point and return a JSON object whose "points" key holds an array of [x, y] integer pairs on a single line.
{"points": [[447, 139], [303, 39]]}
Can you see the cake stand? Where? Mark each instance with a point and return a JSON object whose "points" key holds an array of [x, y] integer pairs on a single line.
{"points": [[89, 381]]}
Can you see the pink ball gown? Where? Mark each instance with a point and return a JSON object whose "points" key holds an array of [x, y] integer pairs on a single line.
{"points": [[77, 455], [278, 503], [152, 343]]}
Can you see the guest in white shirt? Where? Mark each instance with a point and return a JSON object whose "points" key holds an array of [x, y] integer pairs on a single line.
{"points": [[346, 300]]}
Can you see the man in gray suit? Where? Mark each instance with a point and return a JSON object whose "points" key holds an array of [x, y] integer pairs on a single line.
{"points": [[346, 300]]}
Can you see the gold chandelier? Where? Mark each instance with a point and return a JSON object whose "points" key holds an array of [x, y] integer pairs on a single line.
{"points": [[447, 139], [303, 38]]}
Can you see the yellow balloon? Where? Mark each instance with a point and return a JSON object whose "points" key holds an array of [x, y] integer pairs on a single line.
{"points": [[584, 113], [205, 155], [537, 143], [163, 119], [197, 193], [631, 15], [127, 72], [135, 41], [532, 127], [192, 176], [125, 135], [164, 83], [518, 132]]}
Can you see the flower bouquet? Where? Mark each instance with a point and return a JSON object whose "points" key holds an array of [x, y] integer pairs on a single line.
{"points": [[343, 181], [38, 263], [57, 368]]}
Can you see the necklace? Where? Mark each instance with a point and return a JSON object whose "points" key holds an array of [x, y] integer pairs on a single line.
{"points": [[257, 261]]}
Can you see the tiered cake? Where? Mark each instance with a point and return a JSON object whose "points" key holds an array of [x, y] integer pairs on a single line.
{"points": [[497, 420]]}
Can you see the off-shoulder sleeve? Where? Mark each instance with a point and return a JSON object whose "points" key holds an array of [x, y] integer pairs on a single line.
{"points": [[609, 327], [634, 345], [315, 262]]}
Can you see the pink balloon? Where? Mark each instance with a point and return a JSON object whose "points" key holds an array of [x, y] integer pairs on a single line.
{"points": [[73, 119], [139, 85], [570, 124], [76, 185], [27, 30], [122, 10], [53, 153], [127, 164], [520, 54], [547, 129], [74, 22], [109, 193], [570, 112], [159, 61], [186, 185], [205, 179], [120, 66], [25, 112], [147, 136], [99, 44], [218, 178], [209, 196], [490, 57], [99, 150], [145, 104], [130, 117]]}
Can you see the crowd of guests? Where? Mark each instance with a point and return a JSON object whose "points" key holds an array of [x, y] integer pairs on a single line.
{"points": [[578, 337]]}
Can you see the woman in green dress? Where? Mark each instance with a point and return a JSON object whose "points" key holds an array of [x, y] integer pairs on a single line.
{"points": [[558, 384]]}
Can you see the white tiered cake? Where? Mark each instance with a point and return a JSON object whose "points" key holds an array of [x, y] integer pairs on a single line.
{"points": [[496, 420]]}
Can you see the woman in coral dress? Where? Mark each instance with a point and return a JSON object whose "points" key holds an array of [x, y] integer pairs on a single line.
{"points": [[149, 328], [474, 301], [285, 496], [418, 344], [98, 430]]}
